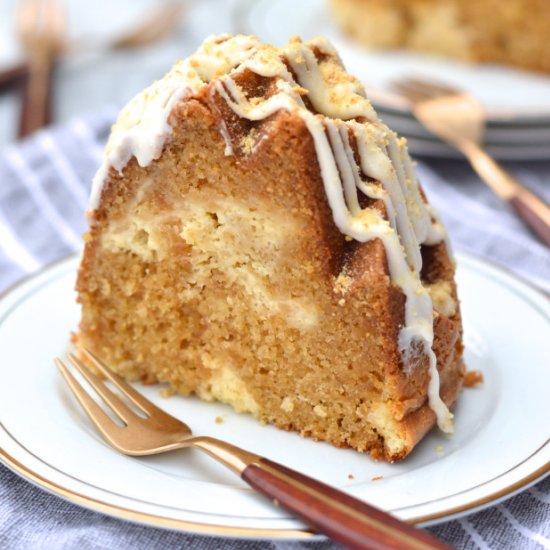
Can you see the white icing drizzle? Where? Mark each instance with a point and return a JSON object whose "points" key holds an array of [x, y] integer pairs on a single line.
{"points": [[339, 99]]}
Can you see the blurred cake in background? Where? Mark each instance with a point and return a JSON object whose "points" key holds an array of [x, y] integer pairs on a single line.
{"points": [[513, 32]]}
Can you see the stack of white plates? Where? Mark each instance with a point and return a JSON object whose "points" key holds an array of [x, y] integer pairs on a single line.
{"points": [[517, 102]]}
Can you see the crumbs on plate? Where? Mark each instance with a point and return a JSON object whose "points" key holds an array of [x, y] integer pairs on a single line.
{"points": [[472, 378], [167, 392]]}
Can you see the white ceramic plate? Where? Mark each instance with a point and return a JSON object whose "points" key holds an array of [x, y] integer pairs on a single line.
{"points": [[500, 446], [506, 93]]}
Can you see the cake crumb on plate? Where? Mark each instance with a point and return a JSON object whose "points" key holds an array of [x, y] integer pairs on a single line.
{"points": [[473, 378], [167, 392]]}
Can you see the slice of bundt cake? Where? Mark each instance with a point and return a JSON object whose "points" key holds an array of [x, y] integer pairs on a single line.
{"points": [[258, 237]]}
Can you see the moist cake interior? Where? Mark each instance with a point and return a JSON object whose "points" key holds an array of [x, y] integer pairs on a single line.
{"points": [[218, 268]]}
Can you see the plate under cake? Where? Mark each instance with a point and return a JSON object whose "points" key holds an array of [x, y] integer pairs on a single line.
{"points": [[258, 237]]}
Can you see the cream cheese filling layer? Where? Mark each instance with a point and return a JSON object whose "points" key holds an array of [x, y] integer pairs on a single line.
{"points": [[338, 100]]}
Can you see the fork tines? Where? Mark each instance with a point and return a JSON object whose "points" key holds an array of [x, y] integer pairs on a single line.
{"points": [[123, 411]]}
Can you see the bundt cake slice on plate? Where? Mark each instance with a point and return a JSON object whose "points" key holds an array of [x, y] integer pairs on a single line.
{"points": [[258, 237]]}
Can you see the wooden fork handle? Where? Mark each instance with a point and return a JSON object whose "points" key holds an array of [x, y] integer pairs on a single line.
{"points": [[12, 75], [531, 208], [346, 520], [36, 96]]}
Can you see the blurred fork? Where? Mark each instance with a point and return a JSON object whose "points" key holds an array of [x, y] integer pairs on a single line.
{"points": [[156, 24], [458, 118], [40, 26], [349, 521]]}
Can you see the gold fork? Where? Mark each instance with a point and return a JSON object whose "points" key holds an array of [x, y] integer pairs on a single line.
{"points": [[345, 519], [40, 27], [458, 118]]}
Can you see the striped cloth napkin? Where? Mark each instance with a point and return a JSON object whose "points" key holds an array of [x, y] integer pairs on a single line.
{"points": [[44, 188]]}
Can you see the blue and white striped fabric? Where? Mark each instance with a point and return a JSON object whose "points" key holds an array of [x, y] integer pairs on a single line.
{"points": [[44, 186]]}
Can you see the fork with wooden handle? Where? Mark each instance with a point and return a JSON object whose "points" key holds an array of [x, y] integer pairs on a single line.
{"points": [[40, 27], [345, 519], [458, 118]]}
